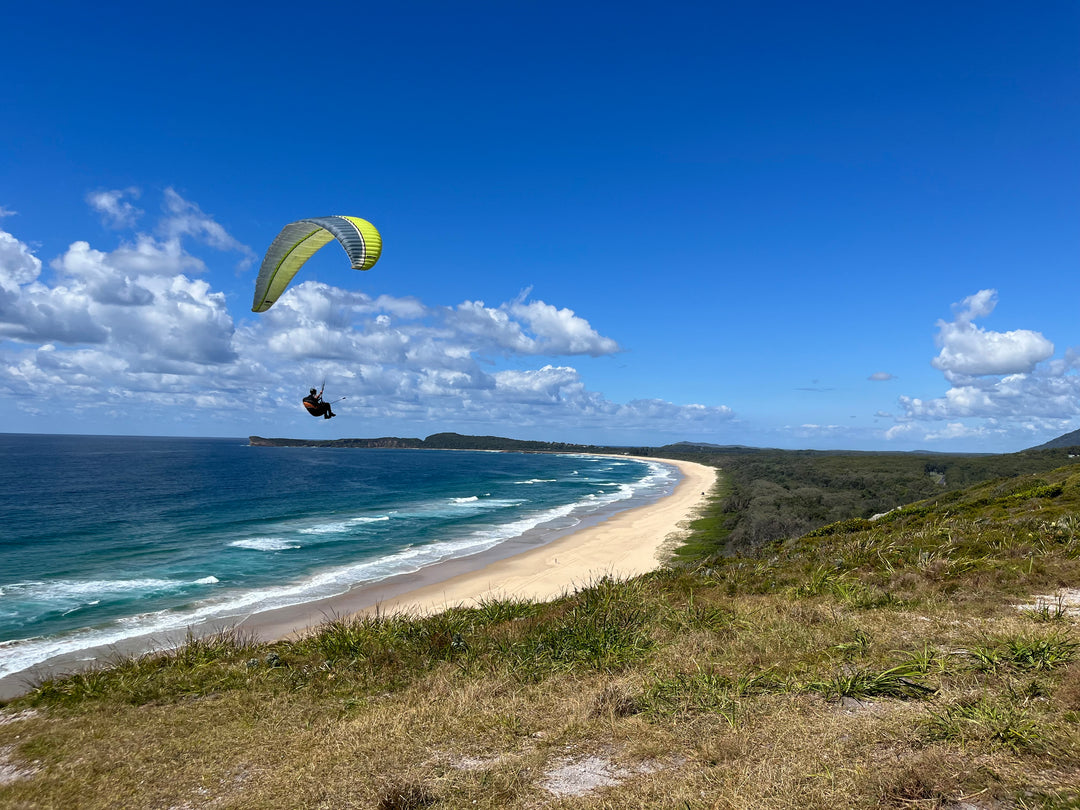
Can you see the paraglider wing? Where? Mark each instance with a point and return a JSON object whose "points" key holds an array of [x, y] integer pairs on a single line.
{"points": [[298, 242]]}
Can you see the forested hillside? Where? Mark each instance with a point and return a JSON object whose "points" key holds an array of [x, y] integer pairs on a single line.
{"points": [[774, 494]]}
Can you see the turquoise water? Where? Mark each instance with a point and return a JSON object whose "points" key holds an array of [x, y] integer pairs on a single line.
{"points": [[104, 539]]}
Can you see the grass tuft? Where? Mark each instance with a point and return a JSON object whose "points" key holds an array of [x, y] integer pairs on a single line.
{"points": [[987, 723], [1025, 653], [897, 682]]}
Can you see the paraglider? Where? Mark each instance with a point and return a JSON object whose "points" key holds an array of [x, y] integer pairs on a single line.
{"points": [[316, 406], [298, 242]]}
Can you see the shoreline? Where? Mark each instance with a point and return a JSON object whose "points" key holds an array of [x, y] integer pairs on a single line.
{"points": [[624, 544]]}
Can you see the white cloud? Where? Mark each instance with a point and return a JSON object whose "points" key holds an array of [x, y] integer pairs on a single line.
{"points": [[312, 319], [413, 353], [1001, 383], [560, 331], [116, 212], [42, 314], [900, 431], [971, 351], [17, 264], [493, 327], [644, 415], [529, 328], [32, 311], [1016, 397], [817, 432], [118, 316], [957, 430], [116, 277], [881, 376], [549, 385], [186, 323], [974, 306]]}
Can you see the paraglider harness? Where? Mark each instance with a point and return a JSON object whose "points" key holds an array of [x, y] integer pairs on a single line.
{"points": [[316, 407]]}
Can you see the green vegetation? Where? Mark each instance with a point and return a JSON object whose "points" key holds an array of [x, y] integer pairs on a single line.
{"points": [[451, 441], [773, 494], [881, 658]]}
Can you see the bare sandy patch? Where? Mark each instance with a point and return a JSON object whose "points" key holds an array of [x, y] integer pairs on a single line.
{"points": [[11, 770], [1064, 603]]}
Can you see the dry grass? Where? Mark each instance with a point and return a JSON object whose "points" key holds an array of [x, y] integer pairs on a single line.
{"points": [[882, 665]]}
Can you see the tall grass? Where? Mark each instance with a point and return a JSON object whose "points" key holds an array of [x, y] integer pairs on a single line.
{"points": [[197, 667]]}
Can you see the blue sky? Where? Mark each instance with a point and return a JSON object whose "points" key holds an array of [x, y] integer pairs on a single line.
{"points": [[800, 225]]}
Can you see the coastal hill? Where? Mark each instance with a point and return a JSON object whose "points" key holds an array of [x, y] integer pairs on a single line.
{"points": [[458, 441], [447, 441], [1068, 440], [922, 655]]}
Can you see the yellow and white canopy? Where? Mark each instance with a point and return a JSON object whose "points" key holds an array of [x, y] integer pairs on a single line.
{"points": [[298, 242]]}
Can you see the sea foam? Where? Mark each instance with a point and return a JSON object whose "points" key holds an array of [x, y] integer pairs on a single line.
{"points": [[264, 544]]}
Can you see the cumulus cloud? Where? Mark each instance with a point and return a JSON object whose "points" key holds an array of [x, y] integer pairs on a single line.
{"points": [[146, 257], [30, 310], [315, 320], [18, 265], [560, 331], [116, 212], [1001, 383], [530, 328], [142, 323], [1017, 397], [137, 312], [546, 386], [116, 319], [968, 350]]}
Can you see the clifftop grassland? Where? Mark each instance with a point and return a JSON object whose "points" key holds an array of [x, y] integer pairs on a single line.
{"points": [[928, 657]]}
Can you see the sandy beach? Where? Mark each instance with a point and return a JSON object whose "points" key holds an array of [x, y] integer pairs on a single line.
{"points": [[625, 544]]}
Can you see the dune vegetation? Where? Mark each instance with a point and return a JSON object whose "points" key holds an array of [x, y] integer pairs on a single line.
{"points": [[920, 655]]}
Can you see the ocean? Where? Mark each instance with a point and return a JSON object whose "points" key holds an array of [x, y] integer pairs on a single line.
{"points": [[107, 539]]}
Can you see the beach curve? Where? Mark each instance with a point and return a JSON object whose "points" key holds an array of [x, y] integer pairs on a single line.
{"points": [[625, 544]]}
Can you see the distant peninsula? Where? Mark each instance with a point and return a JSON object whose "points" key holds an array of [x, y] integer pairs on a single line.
{"points": [[452, 441]]}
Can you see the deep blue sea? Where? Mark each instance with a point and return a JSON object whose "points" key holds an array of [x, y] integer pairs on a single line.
{"points": [[104, 539]]}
